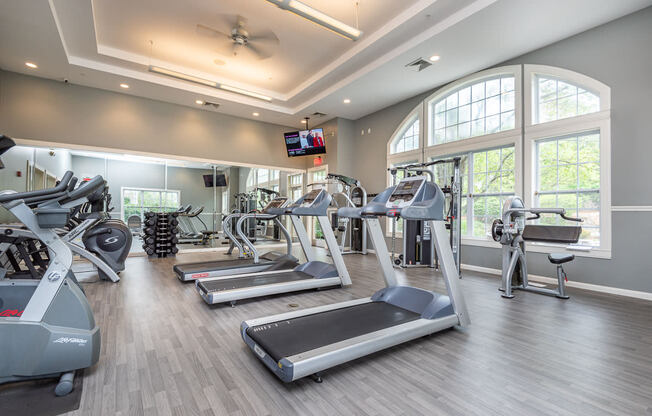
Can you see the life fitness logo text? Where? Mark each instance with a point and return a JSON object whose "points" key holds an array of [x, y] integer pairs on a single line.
{"points": [[67, 340]]}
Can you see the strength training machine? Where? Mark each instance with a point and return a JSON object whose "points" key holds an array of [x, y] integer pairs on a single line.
{"points": [[513, 232]]}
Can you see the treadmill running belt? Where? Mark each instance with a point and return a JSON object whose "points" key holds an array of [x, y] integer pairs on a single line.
{"points": [[305, 333], [251, 281], [207, 266]]}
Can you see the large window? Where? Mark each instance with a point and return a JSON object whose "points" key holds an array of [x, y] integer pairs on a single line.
{"points": [[484, 190], [568, 176], [136, 201], [483, 107], [535, 131]]}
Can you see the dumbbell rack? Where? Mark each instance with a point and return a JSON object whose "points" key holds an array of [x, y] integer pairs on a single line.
{"points": [[160, 234]]}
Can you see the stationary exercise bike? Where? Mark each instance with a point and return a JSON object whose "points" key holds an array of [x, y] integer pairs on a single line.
{"points": [[47, 328], [512, 232]]}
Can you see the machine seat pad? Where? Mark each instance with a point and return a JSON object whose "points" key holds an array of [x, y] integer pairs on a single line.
{"points": [[560, 258], [552, 233]]}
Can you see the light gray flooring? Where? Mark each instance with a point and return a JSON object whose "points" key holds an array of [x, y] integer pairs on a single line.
{"points": [[164, 351]]}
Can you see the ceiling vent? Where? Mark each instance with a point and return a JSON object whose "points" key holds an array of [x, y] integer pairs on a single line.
{"points": [[318, 114], [212, 105], [418, 65]]}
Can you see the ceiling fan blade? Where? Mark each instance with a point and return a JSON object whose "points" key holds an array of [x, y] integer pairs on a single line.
{"points": [[240, 21], [258, 52], [209, 31], [266, 37]]}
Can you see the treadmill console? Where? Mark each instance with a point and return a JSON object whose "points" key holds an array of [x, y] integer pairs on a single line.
{"points": [[405, 192], [310, 197], [275, 203]]}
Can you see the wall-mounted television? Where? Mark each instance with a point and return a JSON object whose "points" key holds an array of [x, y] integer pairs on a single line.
{"points": [[305, 142], [220, 180]]}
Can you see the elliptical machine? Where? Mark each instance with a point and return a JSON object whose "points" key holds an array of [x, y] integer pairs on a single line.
{"points": [[107, 238], [512, 232], [47, 328]]}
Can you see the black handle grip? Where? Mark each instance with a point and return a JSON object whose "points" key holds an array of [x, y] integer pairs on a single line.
{"points": [[73, 183], [86, 188], [62, 186]]}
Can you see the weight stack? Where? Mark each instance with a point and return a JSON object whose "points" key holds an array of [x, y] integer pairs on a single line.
{"points": [[160, 234]]}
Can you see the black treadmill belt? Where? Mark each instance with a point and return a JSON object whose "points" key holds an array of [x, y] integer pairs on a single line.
{"points": [[251, 281], [305, 333], [207, 266]]}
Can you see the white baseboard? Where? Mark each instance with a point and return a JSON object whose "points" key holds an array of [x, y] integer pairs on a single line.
{"points": [[580, 285]]}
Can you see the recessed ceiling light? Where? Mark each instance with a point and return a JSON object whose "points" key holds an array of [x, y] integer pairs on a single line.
{"points": [[435, 58], [303, 121], [31, 65], [256, 114], [125, 86], [347, 101], [199, 102]]}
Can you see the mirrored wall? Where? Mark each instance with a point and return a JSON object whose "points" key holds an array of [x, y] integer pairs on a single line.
{"points": [[203, 193]]}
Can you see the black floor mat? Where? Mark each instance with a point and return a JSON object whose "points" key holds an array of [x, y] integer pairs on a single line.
{"points": [[37, 398]]}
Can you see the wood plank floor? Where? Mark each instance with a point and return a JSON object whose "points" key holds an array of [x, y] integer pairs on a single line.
{"points": [[164, 351]]}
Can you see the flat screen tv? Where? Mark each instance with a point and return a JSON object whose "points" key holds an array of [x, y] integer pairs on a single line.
{"points": [[305, 142], [220, 179]]}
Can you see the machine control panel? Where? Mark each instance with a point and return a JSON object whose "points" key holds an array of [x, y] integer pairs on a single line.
{"points": [[276, 203], [310, 197], [405, 192]]}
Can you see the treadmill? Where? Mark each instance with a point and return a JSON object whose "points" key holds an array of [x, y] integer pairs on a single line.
{"points": [[311, 275], [303, 343], [256, 263]]}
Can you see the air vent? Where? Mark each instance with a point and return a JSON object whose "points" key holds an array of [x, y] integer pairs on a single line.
{"points": [[318, 114], [212, 105], [418, 65]]}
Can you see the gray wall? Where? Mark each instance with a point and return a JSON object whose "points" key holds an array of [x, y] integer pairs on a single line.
{"points": [[618, 54], [41, 109]]}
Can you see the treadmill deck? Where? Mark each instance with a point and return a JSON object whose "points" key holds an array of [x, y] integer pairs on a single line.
{"points": [[293, 336], [218, 285]]}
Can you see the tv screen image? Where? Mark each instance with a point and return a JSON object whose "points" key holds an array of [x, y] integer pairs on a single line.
{"points": [[305, 142], [220, 179]]}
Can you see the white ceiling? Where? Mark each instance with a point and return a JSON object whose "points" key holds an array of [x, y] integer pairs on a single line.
{"points": [[102, 43]]}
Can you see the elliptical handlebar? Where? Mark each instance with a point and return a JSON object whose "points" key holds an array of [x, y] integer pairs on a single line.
{"points": [[61, 187]]}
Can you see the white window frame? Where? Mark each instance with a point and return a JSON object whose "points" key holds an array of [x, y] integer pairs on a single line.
{"points": [[599, 121], [416, 113], [133, 188], [514, 70], [481, 144]]}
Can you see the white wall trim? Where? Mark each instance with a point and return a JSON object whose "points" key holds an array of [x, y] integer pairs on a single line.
{"points": [[631, 208], [579, 285]]}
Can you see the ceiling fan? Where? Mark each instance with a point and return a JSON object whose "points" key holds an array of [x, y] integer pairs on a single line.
{"points": [[234, 37]]}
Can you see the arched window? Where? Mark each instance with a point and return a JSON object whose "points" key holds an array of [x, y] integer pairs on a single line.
{"points": [[567, 134], [480, 106], [555, 99], [408, 137]]}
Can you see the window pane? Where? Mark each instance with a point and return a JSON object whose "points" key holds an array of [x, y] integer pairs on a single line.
{"points": [[559, 99], [589, 176], [477, 127], [571, 180], [548, 178], [507, 102], [507, 120], [440, 120], [508, 158], [493, 87], [477, 91], [464, 113], [440, 135], [131, 198], [493, 124], [477, 110], [464, 130], [465, 96], [152, 199], [479, 183], [451, 101], [507, 84], [493, 160], [451, 133], [451, 117], [440, 107], [493, 105], [508, 184]]}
